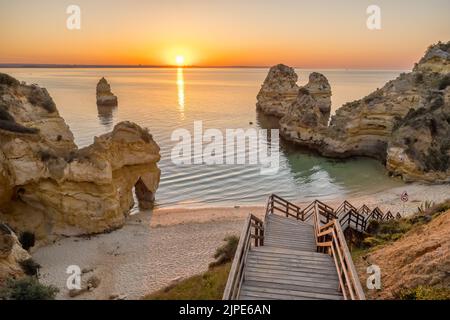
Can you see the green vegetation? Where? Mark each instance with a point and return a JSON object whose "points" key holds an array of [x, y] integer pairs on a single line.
{"points": [[207, 286], [225, 253], [424, 293], [381, 233], [30, 267], [27, 288]]}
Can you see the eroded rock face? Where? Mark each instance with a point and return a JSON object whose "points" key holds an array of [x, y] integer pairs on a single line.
{"points": [[104, 95], [49, 186], [278, 91], [374, 124], [420, 145], [305, 112], [11, 254]]}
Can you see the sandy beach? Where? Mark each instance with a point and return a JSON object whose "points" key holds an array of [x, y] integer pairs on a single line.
{"points": [[155, 248]]}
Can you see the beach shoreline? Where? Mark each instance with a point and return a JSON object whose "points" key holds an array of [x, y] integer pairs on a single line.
{"points": [[156, 248]]}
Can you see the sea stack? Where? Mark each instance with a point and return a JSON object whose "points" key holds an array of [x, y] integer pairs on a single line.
{"points": [[278, 91], [104, 95]]}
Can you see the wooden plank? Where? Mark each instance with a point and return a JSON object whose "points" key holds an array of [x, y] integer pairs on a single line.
{"points": [[287, 251], [327, 274], [291, 262], [288, 241], [291, 286], [303, 248], [289, 293], [282, 266], [299, 255], [294, 280]]}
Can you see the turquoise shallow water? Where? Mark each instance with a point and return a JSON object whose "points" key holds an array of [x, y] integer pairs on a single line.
{"points": [[167, 99]]}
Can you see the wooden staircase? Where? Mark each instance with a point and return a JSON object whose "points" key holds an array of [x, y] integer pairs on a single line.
{"points": [[288, 266], [301, 254]]}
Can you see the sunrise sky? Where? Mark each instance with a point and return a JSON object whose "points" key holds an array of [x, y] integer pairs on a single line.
{"points": [[309, 34]]}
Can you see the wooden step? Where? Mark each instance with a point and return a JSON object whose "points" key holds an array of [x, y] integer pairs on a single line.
{"points": [[294, 287], [312, 272], [301, 255], [291, 278], [287, 251], [286, 294], [291, 262], [294, 247]]}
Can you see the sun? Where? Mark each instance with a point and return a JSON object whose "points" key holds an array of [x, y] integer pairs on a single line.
{"points": [[180, 61]]}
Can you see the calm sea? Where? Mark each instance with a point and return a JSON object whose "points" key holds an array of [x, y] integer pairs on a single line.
{"points": [[167, 99]]}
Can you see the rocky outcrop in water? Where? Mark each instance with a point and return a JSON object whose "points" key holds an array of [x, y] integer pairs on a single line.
{"points": [[278, 91], [49, 186], [104, 95], [415, 105]]}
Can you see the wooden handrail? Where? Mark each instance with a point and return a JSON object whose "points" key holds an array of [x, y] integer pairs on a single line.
{"points": [[253, 230], [334, 243]]}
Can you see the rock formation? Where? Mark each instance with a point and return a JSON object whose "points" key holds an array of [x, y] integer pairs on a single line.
{"points": [[319, 88], [49, 186], [11, 254], [414, 106], [278, 91], [420, 145], [305, 112], [104, 95]]}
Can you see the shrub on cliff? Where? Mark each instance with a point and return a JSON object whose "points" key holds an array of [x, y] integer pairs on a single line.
{"points": [[40, 97], [30, 267], [423, 293], [225, 253], [27, 288]]}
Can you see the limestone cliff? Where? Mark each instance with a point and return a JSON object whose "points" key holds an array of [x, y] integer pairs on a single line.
{"points": [[377, 125], [49, 186], [104, 95]]}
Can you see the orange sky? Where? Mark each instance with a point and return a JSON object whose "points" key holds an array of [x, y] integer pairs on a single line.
{"points": [[309, 34]]}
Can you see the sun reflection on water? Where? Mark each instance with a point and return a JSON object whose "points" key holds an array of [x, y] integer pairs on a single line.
{"points": [[180, 87]]}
